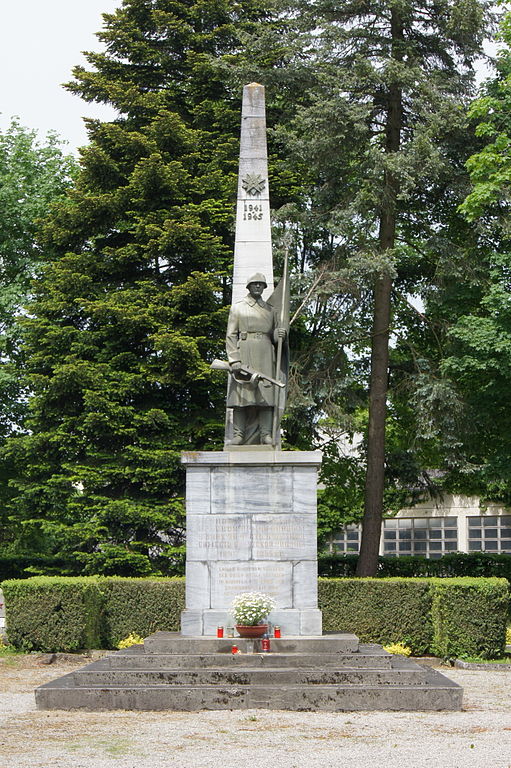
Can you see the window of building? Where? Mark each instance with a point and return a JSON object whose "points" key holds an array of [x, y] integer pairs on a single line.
{"points": [[347, 540], [489, 534], [429, 537]]}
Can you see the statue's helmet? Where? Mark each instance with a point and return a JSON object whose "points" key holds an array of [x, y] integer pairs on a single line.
{"points": [[257, 278]]}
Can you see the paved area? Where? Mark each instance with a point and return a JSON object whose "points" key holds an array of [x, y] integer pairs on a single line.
{"points": [[477, 737]]}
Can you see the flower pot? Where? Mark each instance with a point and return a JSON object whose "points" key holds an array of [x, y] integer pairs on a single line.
{"points": [[257, 630]]}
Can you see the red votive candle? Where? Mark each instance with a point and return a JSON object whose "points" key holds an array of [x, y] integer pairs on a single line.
{"points": [[219, 631], [276, 632], [234, 649]]}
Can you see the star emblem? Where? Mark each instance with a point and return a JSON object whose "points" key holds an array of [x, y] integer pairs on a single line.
{"points": [[253, 184]]}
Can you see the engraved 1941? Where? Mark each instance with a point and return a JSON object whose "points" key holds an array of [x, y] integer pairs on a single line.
{"points": [[252, 212]]}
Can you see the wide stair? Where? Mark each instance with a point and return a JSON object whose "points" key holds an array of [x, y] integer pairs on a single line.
{"points": [[331, 673]]}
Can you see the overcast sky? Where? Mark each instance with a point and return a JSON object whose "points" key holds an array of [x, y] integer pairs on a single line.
{"points": [[40, 42]]}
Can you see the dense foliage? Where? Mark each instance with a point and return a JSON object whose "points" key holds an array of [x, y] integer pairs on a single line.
{"points": [[450, 565], [383, 133], [446, 616], [369, 134], [34, 173], [133, 304]]}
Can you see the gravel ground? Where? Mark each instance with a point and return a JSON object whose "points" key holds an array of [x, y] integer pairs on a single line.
{"points": [[477, 737]]}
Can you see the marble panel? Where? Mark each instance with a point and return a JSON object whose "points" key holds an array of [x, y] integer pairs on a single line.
{"points": [[311, 622], [213, 619], [262, 458], [284, 537], [198, 490], [305, 584], [272, 578], [288, 621], [218, 537], [191, 623], [197, 585], [262, 490], [305, 485]]}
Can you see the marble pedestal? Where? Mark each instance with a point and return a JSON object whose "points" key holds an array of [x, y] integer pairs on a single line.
{"points": [[251, 527]]}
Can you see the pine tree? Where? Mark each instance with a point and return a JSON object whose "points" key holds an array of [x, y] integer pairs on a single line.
{"points": [[133, 304], [389, 84]]}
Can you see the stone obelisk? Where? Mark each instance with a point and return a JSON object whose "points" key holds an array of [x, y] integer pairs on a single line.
{"points": [[251, 509], [252, 252]]}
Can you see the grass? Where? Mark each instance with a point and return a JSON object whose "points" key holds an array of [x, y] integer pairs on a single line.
{"points": [[9, 650], [477, 660]]}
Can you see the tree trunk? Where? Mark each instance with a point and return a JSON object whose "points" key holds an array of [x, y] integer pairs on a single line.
{"points": [[367, 564]]}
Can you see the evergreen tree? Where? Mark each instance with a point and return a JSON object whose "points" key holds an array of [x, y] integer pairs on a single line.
{"points": [[388, 82], [133, 304], [34, 173], [478, 355]]}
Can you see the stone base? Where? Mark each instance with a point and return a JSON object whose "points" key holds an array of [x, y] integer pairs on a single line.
{"points": [[291, 621], [251, 527], [332, 673]]}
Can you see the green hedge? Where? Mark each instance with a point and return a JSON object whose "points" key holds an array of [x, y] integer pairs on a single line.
{"points": [[142, 606], [469, 617], [51, 613], [447, 566], [69, 613], [449, 617], [379, 610]]}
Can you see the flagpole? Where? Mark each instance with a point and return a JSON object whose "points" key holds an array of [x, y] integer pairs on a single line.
{"points": [[280, 342]]}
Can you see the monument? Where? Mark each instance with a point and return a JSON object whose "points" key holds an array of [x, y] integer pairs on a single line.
{"points": [[251, 509], [251, 526]]}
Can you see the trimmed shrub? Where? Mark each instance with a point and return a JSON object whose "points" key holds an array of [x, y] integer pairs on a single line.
{"points": [[449, 617], [50, 614], [381, 611], [141, 606], [448, 566], [469, 617]]}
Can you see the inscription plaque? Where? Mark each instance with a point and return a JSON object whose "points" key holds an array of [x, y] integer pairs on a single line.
{"points": [[218, 537], [272, 578]]}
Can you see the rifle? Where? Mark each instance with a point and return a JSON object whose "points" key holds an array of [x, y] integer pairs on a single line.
{"points": [[245, 370], [275, 427]]}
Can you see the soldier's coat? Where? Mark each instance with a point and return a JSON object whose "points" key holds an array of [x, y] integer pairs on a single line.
{"points": [[251, 340]]}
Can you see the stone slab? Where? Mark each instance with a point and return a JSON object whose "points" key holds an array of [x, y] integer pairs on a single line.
{"points": [[284, 537], [364, 658], [242, 675], [197, 586], [268, 456], [218, 537], [173, 642], [305, 585], [435, 695], [273, 578], [263, 489]]}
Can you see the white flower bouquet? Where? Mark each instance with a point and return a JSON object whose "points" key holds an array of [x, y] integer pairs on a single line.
{"points": [[250, 608]]}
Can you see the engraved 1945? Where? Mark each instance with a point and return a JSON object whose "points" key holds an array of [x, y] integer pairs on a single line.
{"points": [[252, 212]]}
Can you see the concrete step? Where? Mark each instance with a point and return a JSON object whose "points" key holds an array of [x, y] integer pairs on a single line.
{"points": [[437, 694], [368, 656], [173, 642], [333, 673], [244, 676]]}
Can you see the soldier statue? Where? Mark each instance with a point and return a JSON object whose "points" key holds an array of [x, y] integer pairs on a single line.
{"points": [[253, 333]]}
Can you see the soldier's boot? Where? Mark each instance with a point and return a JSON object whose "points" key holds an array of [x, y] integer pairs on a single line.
{"points": [[238, 426], [265, 426]]}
